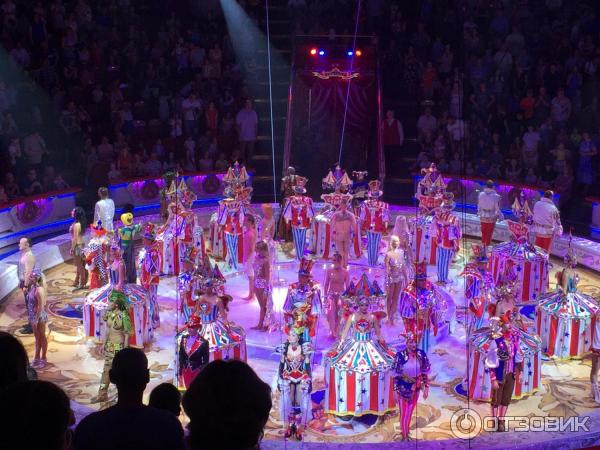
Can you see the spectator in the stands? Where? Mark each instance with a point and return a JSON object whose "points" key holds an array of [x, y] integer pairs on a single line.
{"points": [[393, 139], [247, 127], [32, 185], [205, 164], [167, 397], [34, 148], [153, 166], [426, 125], [221, 164]]}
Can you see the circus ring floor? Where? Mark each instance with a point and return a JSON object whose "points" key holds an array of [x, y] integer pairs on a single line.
{"points": [[75, 364]]}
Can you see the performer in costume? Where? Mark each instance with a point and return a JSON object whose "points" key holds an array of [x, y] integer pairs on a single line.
{"points": [[96, 255], [447, 232], [337, 279], [263, 286], [411, 376], [374, 216], [192, 353], [478, 288], [360, 359], [225, 339], [302, 304], [104, 211], [118, 329], [343, 225], [287, 190], [77, 230], [295, 385], [231, 216], [150, 262], [488, 210], [546, 221], [359, 189], [422, 308], [505, 363], [299, 212], [35, 300], [126, 236], [165, 198], [595, 350], [267, 228], [396, 276], [250, 238]]}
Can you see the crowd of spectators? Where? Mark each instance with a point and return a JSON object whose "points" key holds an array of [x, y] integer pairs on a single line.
{"points": [[508, 89], [227, 406], [95, 91]]}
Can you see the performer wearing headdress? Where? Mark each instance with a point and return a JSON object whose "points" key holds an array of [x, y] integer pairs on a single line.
{"points": [[337, 279], [302, 305], [546, 221], [422, 307], [287, 190], [231, 217], [374, 216], [478, 288], [225, 339], [295, 385], [126, 236], [298, 212], [411, 376], [343, 226], [337, 180], [505, 363], [361, 359], [118, 329], [165, 198], [192, 353], [489, 212], [96, 256], [150, 262], [396, 276], [447, 232], [359, 189]]}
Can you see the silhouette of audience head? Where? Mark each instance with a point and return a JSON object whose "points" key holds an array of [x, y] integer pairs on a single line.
{"points": [[228, 406], [35, 415], [167, 397], [14, 362], [129, 371]]}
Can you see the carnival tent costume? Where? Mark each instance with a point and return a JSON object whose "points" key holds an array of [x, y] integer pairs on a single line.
{"points": [[358, 373], [528, 262], [478, 288], [564, 317]]}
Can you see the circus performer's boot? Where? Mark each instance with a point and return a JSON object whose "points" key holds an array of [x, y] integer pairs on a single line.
{"points": [[596, 392], [298, 435], [290, 429]]}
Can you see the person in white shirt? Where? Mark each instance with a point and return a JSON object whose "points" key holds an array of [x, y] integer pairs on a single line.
{"points": [[246, 121], [426, 125], [104, 210], [546, 221], [488, 210]]}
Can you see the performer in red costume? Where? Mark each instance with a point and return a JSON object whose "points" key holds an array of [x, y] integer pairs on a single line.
{"points": [[96, 254], [374, 216], [150, 262], [488, 210], [546, 221], [298, 212], [446, 229], [231, 216]]}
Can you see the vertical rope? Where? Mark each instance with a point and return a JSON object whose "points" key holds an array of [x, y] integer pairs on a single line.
{"points": [[271, 101], [349, 81]]}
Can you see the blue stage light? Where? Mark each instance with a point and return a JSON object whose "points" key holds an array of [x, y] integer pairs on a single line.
{"points": [[350, 53], [321, 52]]}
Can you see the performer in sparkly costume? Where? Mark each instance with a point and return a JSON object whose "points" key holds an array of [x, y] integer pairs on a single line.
{"points": [[302, 305], [411, 376], [295, 385]]}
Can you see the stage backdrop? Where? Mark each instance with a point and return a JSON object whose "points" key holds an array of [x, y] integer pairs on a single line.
{"points": [[326, 90]]}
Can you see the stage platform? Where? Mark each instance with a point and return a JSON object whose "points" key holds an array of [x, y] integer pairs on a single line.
{"points": [[75, 362]]}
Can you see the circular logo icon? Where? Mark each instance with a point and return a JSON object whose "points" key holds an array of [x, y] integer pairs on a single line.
{"points": [[465, 424]]}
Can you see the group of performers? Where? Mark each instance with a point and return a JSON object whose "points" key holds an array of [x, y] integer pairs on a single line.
{"points": [[363, 374]]}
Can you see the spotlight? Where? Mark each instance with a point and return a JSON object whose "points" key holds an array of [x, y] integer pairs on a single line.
{"points": [[313, 51], [358, 53], [350, 53], [321, 52]]}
